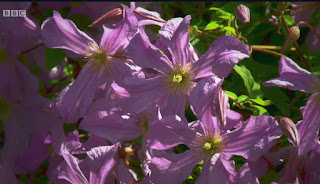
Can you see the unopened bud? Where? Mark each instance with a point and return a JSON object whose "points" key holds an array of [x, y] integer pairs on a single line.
{"points": [[283, 6], [289, 129], [292, 36], [222, 105], [243, 13], [110, 17]]}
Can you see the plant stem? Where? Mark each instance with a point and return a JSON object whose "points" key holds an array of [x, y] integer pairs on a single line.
{"points": [[259, 49], [235, 26], [294, 43], [272, 47], [310, 27]]}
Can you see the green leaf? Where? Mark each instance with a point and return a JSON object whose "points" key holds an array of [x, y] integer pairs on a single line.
{"points": [[242, 98], [269, 177], [222, 14], [256, 91], [252, 87], [258, 110], [316, 70], [289, 20], [259, 101], [68, 69], [245, 74], [229, 29], [212, 25], [231, 95], [194, 31], [54, 57]]}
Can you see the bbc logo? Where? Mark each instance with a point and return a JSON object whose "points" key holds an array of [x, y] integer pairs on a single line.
{"points": [[14, 13]]}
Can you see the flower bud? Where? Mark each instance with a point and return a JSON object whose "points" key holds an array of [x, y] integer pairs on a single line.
{"points": [[283, 6], [113, 16], [292, 36], [222, 105], [243, 13], [289, 129]]}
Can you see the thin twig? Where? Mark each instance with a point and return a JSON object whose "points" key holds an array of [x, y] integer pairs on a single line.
{"points": [[310, 27], [254, 48], [294, 43], [272, 47], [235, 26], [238, 104], [28, 50]]}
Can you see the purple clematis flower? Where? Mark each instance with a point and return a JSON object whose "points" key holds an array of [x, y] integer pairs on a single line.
{"points": [[178, 77], [106, 62], [295, 78], [210, 142], [103, 164], [26, 114]]}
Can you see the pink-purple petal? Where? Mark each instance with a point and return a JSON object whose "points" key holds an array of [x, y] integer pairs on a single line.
{"points": [[294, 77], [217, 170], [223, 54], [64, 34], [140, 48], [256, 136], [116, 38], [74, 100], [101, 161], [168, 132], [203, 95], [310, 124]]}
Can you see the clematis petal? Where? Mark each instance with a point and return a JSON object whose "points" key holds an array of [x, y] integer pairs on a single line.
{"points": [[140, 48], [143, 93], [15, 146], [203, 94], [173, 168], [173, 105], [64, 34], [246, 176], [16, 81], [312, 165], [116, 38], [217, 170], [70, 170], [151, 14], [290, 170], [101, 161], [124, 174], [310, 124], [223, 54], [37, 152], [115, 127], [256, 136], [294, 77], [74, 100], [312, 40], [168, 132], [178, 44]]}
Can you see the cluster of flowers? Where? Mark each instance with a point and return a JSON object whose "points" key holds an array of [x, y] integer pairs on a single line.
{"points": [[129, 89]]}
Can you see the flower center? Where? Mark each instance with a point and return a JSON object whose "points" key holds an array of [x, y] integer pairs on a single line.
{"points": [[179, 80], [98, 58], [207, 146], [211, 145]]}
